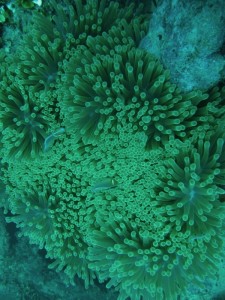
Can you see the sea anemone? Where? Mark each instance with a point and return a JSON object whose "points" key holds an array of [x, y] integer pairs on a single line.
{"points": [[190, 187], [24, 126], [150, 261], [32, 212], [72, 22], [38, 61], [105, 92]]}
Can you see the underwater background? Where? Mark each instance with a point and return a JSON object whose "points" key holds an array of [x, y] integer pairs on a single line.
{"points": [[112, 149]]}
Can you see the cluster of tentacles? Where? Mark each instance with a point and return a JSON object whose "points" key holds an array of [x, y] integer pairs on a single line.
{"points": [[105, 162]]}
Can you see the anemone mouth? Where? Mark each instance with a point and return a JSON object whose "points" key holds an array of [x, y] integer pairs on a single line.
{"points": [[51, 77]]}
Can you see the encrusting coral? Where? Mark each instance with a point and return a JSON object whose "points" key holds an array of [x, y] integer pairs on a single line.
{"points": [[106, 163]]}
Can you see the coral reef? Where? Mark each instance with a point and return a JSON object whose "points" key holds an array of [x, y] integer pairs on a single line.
{"points": [[189, 38], [105, 163]]}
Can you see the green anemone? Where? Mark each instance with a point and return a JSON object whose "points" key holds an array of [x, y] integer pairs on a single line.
{"points": [[149, 262], [24, 127], [38, 61], [32, 213], [126, 33], [51, 210], [103, 92], [190, 187], [80, 20]]}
